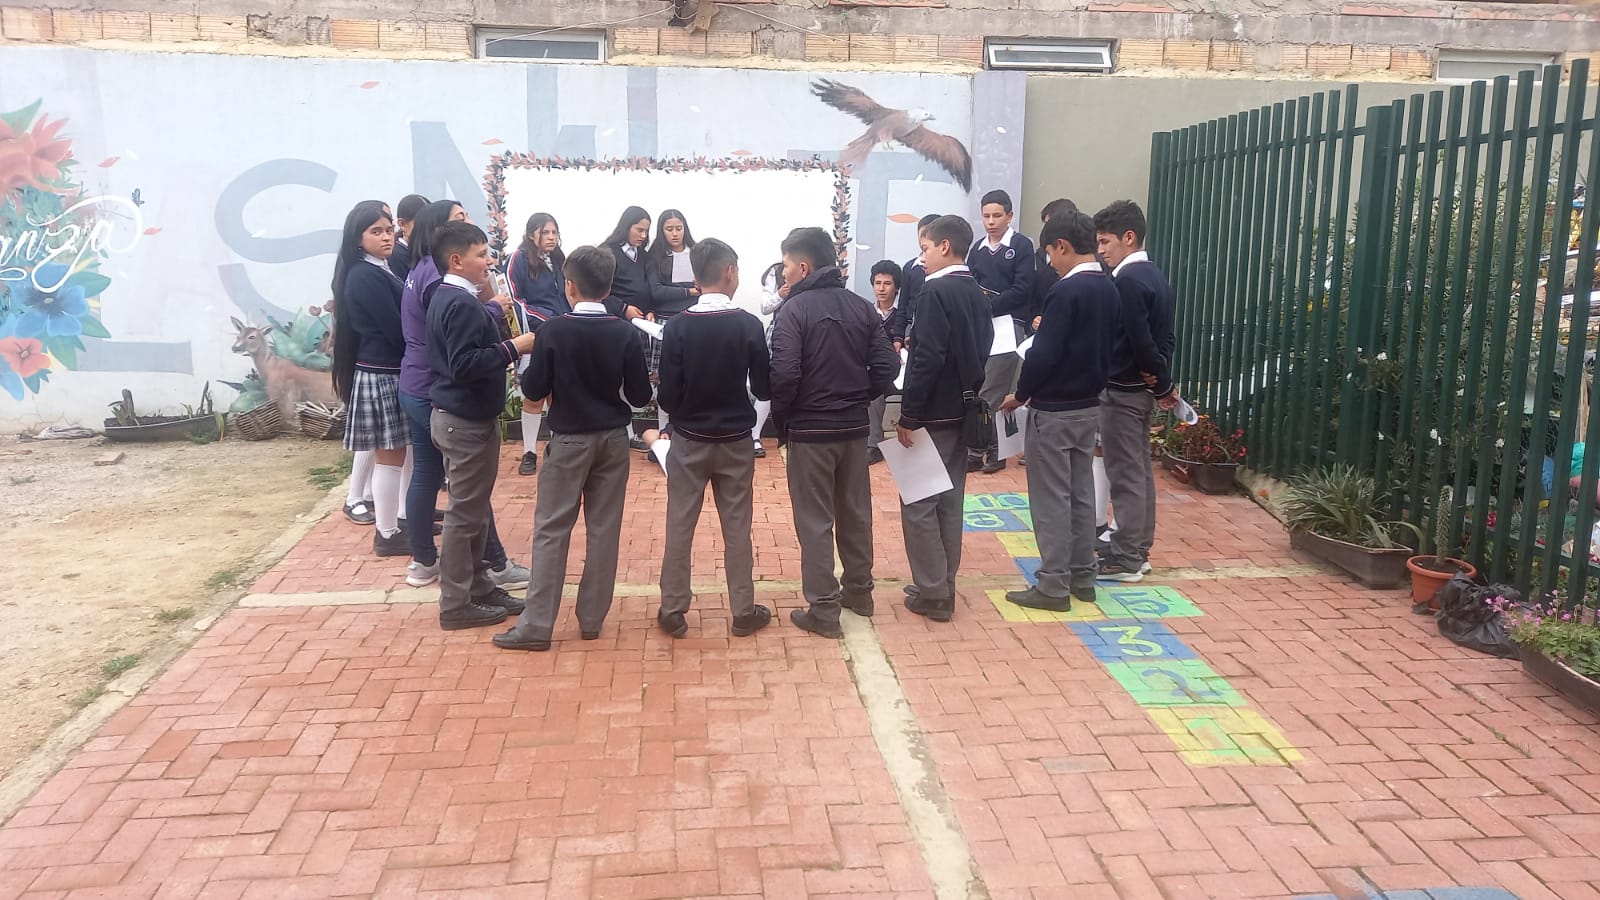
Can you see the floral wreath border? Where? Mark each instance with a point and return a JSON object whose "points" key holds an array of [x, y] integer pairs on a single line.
{"points": [[494, 182]]}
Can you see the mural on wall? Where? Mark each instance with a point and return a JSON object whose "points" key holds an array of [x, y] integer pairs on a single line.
{"points": [[249, 196], [52, 239]]}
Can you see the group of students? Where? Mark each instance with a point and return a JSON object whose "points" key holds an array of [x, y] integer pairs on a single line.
{"points": [[423, 344]]}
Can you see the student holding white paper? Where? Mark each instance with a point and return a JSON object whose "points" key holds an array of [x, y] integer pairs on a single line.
{"points": [[1061, 381], [945, 366]]}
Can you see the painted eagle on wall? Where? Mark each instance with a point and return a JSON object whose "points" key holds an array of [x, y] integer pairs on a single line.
{"points": [[897, 126]]}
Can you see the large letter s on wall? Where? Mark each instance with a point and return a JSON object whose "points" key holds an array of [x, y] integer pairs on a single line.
{"points": [[259, 179]]}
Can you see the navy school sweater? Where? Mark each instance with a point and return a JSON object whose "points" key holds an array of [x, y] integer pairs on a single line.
{"points": [[541, 290], [912, 276], [954, 323], [1008, 272], [1070, 360], [371, 308], [466, 354], [706, 356], [633, 285], [1145, 338], [400, 260], [585, 362]]}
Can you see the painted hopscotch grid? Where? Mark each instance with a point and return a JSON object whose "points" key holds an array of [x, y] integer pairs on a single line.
{"points": [[1209, 721]]}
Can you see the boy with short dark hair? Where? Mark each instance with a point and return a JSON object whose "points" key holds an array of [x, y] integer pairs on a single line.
{"points": [[886, 277], [912, 276], [708, 352], [589, 365], [944, 364], [1140, 375], [1061, 381], [468, 360], [1003, 265], [830, 358]]}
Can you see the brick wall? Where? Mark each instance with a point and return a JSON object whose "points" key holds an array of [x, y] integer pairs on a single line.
{"points": [[1354, 40]]}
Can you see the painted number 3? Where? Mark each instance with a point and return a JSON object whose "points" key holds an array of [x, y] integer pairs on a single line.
{"points": [[1133, 645]]}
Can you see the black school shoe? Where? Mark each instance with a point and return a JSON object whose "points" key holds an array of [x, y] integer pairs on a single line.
{"points": [[672, 623], [473, 615], [874, 456], [509, 640], [396, 544], [936, 610], [360, 512], [499, 598], [993, 464], [746, 624], [758, 451], [974, 463], [1032, 599], [861, 606], [805, 621], [530, 463], [634, 443]]}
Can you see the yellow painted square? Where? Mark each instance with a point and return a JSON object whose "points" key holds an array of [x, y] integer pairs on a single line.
{"points": [[1080, 612], [1220, 735], [1019, 543]]}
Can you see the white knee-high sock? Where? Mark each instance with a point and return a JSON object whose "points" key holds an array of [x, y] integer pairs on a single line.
{"points": [[530, 429], [662, 419], [763, 409], [405, 478], [1102, 491], [361, 477], [386, 490]]}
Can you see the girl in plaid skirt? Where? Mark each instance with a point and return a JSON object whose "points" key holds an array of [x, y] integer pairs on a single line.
{"points": [[367, 346]]}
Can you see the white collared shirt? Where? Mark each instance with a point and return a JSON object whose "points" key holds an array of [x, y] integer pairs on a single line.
{"points": [[632, 251], [1005, 240], [1134, 257], [380, 263], [957, 269], [1082, 268], [590, 308], [460, 282], [713, 303]]}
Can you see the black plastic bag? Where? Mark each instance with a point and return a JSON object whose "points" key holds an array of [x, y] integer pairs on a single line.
{"points": [[1467, 617]]}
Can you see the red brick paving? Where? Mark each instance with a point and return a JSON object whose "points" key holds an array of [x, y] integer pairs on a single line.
{"points": [[359, 751]]}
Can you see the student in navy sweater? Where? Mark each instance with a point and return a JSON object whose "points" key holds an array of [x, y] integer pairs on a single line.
{"points": [[912, 275], [709, 352], [534, 274], [886, 275], [667, 263], [952, 340], [1003, 264], [1061, 382], [633, 291], [1141, 360], [405, 217], [592, 369], [367, 346], [468, 361]]}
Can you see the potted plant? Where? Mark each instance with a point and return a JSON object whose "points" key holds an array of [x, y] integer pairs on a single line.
{"points": [[1203, 455], [201, 423], [1429, 573], [511, 417], [1560, 648], [1333, 515]]}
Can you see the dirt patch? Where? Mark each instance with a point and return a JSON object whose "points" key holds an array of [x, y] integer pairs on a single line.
{"points": [[105, 562]]}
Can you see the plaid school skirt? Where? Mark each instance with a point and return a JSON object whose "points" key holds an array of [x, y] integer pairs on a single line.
{"points": [[652, 354], [375, 420]]}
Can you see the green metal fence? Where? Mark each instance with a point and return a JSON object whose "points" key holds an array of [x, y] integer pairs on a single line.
{"points": [[1387, 290]]}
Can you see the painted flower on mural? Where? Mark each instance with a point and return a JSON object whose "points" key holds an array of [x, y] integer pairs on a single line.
{"points": [[48, 289], [33, 158]]}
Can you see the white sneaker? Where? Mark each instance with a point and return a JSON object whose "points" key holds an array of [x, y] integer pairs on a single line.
{"points": [[419, 575], [1144, 567], [511, 577]]}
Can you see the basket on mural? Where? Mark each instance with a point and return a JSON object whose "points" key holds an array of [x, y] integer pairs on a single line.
{"points": [[257, 424], [321, 422]]}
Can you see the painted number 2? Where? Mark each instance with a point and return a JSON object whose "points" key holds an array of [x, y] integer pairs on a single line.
{"points": [[1132, 645], [1181, 688]]}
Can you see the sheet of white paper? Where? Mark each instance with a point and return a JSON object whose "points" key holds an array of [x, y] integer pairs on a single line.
{"points": [[1011, 428], [1005, 336], [900, 380], [1185, 412], [660, 447], [682, 271], [918, 471], [1024, 347], [651, 328]]}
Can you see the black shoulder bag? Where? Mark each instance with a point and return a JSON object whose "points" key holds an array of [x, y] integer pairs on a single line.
{"points": [[977, 419]]}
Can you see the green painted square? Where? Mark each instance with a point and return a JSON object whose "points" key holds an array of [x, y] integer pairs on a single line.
{"points": [[1174, 682], [1151, 601]]}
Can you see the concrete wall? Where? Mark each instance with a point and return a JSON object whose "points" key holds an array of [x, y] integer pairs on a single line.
{"points": [[1089, 138]]}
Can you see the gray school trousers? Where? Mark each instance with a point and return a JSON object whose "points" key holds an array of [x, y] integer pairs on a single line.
{"points": [[1000, 378], [933, 525], [1060, 448], [730, 469], [829, 492], [876, 410], [591, 471], [1125, 446], [471, 451]]}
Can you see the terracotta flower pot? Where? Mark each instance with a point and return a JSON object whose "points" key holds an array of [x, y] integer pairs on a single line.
{"points": [[1426, 581]]}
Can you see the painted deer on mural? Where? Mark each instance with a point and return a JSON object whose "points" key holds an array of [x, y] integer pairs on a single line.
{"points": [[286, 383]]}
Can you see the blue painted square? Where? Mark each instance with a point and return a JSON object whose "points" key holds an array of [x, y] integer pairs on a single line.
{"points": [[995, 520], [1470, 893], [1030, 568], [1116, 640]]}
